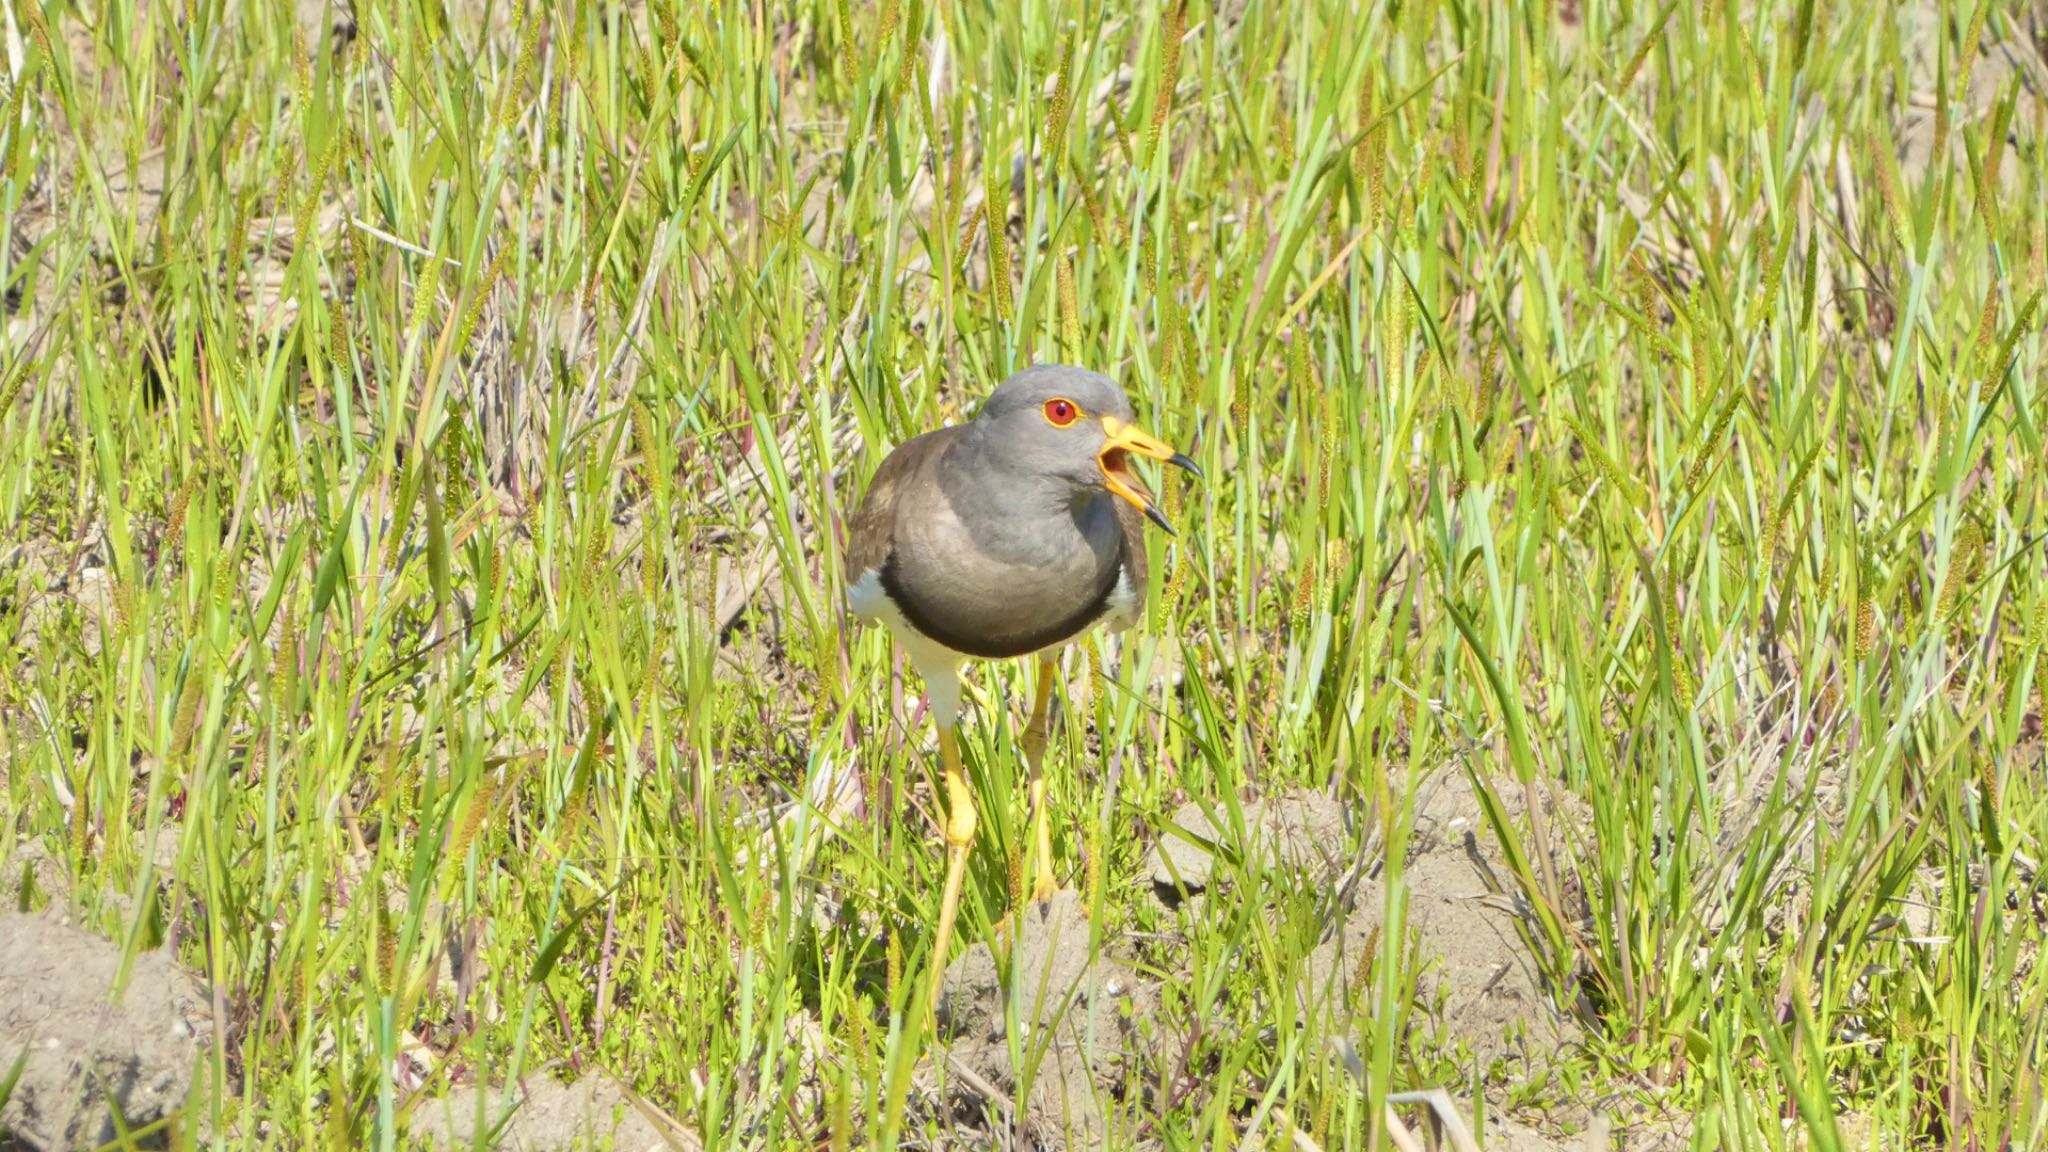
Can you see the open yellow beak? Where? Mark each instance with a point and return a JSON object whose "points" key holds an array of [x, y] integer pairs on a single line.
{"points": [[1120, 442]]}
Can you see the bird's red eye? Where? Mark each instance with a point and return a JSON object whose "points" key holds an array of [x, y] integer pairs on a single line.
{"points": [[1060, 413]]}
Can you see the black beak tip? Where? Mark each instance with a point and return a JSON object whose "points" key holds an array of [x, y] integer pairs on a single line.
{"points": [[1157, 517], [1180, 460]]}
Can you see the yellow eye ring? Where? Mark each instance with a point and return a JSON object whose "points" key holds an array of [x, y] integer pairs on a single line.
{"points": [[1061, 413]]}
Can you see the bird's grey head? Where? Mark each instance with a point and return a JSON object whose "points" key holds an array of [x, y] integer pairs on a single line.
{"points": [[1070, 428], [1047, 421]]}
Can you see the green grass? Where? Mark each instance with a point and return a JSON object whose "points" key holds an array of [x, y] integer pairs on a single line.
{"points": [[1597, 409]]}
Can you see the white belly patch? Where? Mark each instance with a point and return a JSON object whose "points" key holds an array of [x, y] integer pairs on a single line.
{"points": [[938, 665], [1125, 602]]}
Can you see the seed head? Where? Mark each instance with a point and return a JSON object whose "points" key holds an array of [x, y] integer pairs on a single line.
{"points": [[1866, 612], [1964, 554]]}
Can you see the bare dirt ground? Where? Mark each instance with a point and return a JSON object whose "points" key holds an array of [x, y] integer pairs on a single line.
{"points": [[546, 1115], [1084, 1016], [1478, 986], [90, 1053], [1301, 833], [1091, 1018], [1089, 1014]]}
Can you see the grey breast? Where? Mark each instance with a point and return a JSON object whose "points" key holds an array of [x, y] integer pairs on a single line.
{"points": [[1001, 566]]}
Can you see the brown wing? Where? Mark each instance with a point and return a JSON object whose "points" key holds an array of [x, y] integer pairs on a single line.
{"points": [[871, 534]]}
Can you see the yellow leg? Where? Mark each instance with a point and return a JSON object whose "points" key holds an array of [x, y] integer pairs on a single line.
{"points": [[1034, 756], [959, 834]]}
